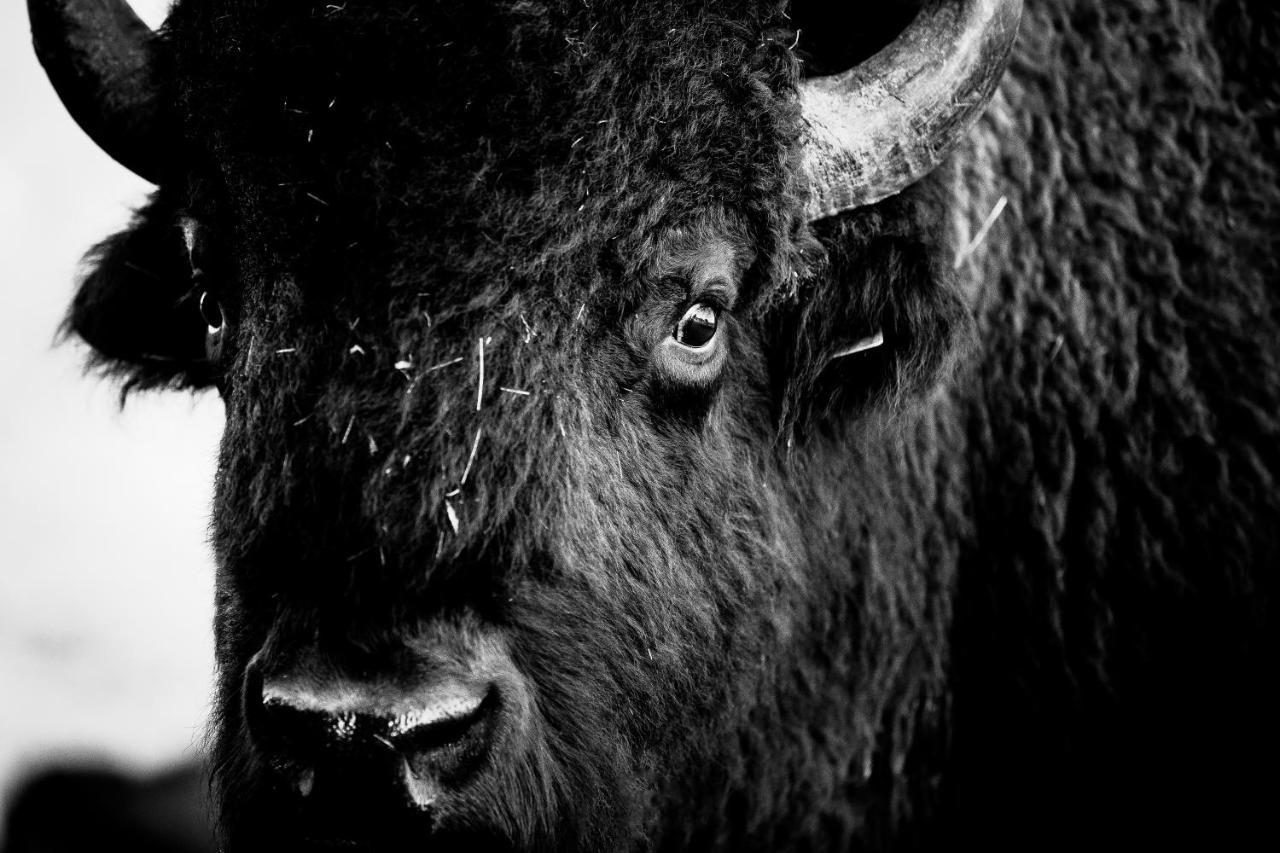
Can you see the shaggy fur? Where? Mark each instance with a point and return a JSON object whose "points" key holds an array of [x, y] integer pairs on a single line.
{"points": [[1008, 579]]}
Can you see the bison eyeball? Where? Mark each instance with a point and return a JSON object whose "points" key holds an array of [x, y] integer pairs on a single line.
{"points": [[698, 326], [211, 311], [691, 353]]}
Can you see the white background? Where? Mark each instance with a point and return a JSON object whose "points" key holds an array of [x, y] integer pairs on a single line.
{"points": [[105, 574]]}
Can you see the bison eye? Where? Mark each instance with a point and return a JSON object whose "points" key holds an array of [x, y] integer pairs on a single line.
{"points": [[691, 354], [211, 311], [698, 326]]}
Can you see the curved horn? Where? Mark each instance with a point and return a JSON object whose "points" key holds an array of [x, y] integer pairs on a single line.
{"points": [[98, 54], [878, 128]]}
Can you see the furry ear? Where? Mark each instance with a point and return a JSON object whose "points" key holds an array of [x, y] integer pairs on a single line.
{"points": [[884, 324], [136, 308]]}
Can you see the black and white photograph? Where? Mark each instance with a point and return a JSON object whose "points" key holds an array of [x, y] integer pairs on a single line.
{"points": [[731, 426]]}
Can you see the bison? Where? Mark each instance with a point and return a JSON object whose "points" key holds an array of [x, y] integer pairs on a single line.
{"points": [[714, 426]]}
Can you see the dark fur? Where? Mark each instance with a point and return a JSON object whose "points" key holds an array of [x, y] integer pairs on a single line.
{"points": [[876, 602]]}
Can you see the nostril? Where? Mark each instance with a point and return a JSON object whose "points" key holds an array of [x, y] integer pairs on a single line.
{"points": [[447, 750], [285, 731], [430, 733]]}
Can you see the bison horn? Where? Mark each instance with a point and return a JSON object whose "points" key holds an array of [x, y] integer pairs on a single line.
{"points": [[98, 55], [875, 129]]}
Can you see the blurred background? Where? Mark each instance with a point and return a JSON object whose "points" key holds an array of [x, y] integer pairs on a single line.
{"points": [[105, 574]]}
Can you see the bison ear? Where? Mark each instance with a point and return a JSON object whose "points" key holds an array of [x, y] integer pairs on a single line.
{"points": [[136, 309], [880, 327]]}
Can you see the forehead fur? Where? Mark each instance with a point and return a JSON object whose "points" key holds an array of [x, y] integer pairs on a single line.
{"points": [[407, 183], [467, 139]]}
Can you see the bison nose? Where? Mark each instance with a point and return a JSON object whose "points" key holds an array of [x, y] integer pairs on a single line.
{"points": [[341, 742]]}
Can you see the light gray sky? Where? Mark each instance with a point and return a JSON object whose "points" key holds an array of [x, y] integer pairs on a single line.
{"points": [[105, 575]]}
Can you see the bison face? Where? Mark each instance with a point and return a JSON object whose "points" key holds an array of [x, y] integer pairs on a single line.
{"points": [[544, 481], [498, 515]]}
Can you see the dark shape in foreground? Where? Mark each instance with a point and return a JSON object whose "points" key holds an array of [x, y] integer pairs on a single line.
{"points": [[635, 444], [71, 809]]}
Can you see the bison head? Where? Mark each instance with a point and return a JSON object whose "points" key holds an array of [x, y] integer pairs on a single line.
{"points": [[551, 504]]}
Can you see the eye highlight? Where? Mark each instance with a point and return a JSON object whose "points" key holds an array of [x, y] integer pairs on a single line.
{"points": [[698, 326]]}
